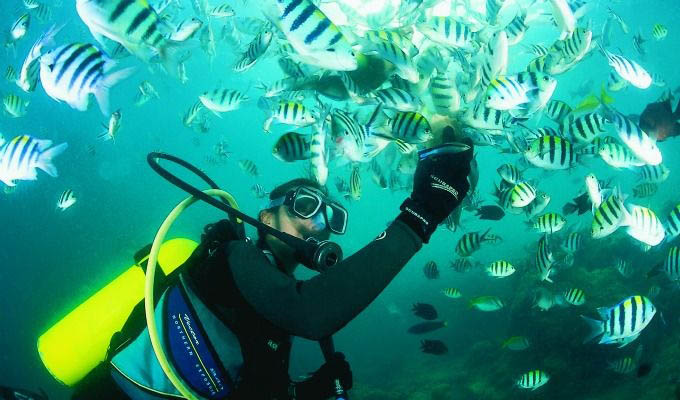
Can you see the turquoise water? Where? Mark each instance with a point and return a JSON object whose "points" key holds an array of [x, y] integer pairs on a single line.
{"points": [[50, 260]]}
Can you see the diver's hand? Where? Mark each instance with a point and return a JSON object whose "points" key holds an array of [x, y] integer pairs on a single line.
{"points": [[439, 186], [322, 383]]}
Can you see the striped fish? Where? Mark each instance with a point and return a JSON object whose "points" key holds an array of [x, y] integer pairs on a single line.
{"points": [[493, 8], [132, 23], [538, 205], [256, 49], [346, 128], [615, 83], [654, 173], [608, 217], [618, 156], [276, 88], [258, 191], [616, 17], [448, 32], [480, 116], [549, 223], [544, 259], [355, 92], [430, 269], [355, 183], [430, 59], [522, 94], [624, 320], [533, 379], [315, 38], [537, 50], [248, 167], [624, 267], [645, 190], [111, 130], [673, 223], [510, 173], [625, 365], [573, 242], [470, 242], [574, 296], [452, 293], [222, 100], [396, 99], [522, 194], [628, 69], [571, 50], [445, 96], [411, 127], [487, 303], [671, 265], [389, 51], [222, 11], [10, 74], [645, 226], [517, 343], [500, 269], [292, 146], [659, 32], [192, 114], [289, 113], [517, 28], [539, 64], [31, 4], [551, 152], [43, 13], [66, 199], [461, 265], [72, 72], [20, 27], [15, 106], [20, 157], [557, 110], [637, 140], [584, 128], [30, 69], [396, 37], [186, 29], [318, 161]]}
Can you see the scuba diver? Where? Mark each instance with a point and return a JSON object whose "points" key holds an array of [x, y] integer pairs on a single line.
{"points": [[230, 318]]}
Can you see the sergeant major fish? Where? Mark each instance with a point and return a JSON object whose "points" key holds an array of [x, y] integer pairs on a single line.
{"points": [[72, 72]]}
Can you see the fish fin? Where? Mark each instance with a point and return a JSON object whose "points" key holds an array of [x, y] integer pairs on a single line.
{"points": [[603, 311], [483, 237], [596, 328], [102, 92], [45, 159]]}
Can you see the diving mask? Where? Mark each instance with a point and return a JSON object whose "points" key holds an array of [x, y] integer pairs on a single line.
{"points": [[305, 202]]}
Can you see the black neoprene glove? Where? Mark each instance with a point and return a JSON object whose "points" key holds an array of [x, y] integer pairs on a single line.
{"points": [[440, 184], [322, 383]]}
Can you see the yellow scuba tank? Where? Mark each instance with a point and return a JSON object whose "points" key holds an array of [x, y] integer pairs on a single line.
{"points": [[75, 345]]}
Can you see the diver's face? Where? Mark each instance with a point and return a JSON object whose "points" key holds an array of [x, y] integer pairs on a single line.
{"points": [[300, 227]]}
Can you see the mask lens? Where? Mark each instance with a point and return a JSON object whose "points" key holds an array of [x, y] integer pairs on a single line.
{"points": [[306, 205], [337, 218]]}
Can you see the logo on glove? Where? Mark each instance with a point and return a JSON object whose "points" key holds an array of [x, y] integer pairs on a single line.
{"points": [[440, 184]]}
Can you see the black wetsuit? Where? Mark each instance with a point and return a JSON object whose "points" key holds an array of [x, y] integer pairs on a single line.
{"points": [[265, 307]]}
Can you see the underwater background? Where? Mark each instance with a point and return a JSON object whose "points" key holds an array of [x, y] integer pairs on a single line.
{"points": [[51, 261]]}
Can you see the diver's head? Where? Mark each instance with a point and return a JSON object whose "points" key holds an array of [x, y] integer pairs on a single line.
{"points": [[301, 208]]}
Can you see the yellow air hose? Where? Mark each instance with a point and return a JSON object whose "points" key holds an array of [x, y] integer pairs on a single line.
{"points": [[167, 367]]}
